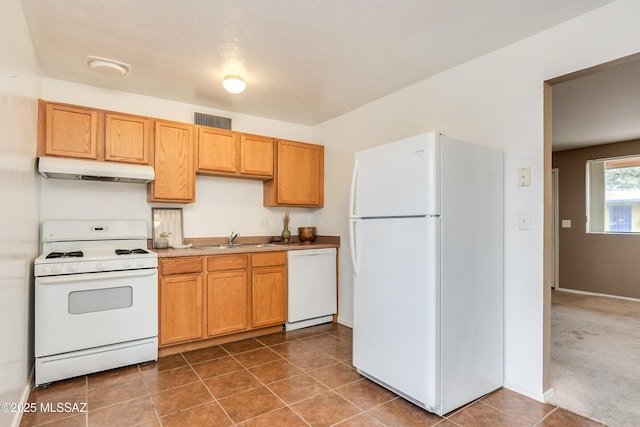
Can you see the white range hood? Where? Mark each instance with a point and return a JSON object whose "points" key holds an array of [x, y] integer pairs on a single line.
{"points": [[94, 170]]}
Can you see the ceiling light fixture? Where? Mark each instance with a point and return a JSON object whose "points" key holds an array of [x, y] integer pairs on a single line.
{"points": [[233, 83], [108, 67]]}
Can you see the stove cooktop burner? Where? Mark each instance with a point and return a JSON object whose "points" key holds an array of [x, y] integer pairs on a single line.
{"points": [[131, 251], [72, 254]]}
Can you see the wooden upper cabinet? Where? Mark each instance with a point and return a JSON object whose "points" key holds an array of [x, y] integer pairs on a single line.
{"points": [[299, 175], [217, 150], [92, 134], [293, 172], [127, 138], [227, 153], [70, 131], [174, 163], [256, 155]]}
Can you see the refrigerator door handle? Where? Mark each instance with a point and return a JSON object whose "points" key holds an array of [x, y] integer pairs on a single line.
{"points": [[352, 194], [352, 243]]}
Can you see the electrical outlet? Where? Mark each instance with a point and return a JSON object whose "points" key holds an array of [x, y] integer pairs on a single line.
{"points": [[265, 223]]}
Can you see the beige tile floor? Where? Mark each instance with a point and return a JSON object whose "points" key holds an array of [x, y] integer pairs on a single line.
{"points": [[300, 378]]}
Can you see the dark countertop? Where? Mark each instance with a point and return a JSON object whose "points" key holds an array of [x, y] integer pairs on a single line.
{"points": [[320, 242]]}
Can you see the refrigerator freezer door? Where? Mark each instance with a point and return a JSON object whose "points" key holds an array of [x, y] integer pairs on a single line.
{"points": [[397, 179], [396, 308]]}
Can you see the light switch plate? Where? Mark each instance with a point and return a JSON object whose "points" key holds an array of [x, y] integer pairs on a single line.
{"points": [[524, 220], [524, 177], [566, 223]]}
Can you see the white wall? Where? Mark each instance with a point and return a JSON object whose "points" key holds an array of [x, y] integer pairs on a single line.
{"points": [[19, 190], [222, 204], [495, 100]]}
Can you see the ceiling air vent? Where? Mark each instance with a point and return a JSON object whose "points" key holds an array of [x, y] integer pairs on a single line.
{"points": [[212, 121]]}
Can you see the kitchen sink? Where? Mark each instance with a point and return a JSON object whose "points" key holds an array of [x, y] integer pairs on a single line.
{"points": [[236, 245]]}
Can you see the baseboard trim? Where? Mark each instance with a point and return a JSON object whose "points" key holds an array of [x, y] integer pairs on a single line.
{"points": [[595, 294], [23, 399], [344, 322], [539, 396], [168, 350], [547, 395]]}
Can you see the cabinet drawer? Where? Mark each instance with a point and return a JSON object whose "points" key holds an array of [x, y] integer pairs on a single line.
{"points": [[181, 265], [268, 258], [226, 262]]}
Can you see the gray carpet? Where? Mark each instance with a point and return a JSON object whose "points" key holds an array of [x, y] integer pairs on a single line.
{"points": [[595, 357]]}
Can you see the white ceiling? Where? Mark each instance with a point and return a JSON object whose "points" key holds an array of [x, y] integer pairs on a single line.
{"points": [[305, 61]]}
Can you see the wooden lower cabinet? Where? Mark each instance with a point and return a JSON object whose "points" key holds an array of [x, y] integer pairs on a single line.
{"points": [[268, 289], [227, 294], [181, 299], [268, 296], [241, 292], [180, 308]]}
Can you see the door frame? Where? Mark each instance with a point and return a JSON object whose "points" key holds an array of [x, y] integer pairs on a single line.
{"points": [[555, 236], [548, 247]]}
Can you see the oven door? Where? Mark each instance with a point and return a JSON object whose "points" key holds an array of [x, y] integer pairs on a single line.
{"points": [[82, 311]]}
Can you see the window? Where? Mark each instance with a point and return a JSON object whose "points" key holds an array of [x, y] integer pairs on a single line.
{"points": [[620, 218], [613, 195]]}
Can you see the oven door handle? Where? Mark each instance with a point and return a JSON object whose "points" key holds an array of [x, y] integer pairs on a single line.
{"points": [[70, 278]]}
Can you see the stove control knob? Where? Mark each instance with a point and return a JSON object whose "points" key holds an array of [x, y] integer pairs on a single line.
{"points": [[56, 268], [127, 263], [101, 266], [140, 263], [72, 267]]}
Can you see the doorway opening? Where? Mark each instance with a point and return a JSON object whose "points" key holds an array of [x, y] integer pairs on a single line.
{"points": [[560, 223]]}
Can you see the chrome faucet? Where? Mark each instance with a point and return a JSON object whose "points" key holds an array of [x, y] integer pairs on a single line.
{"points": [[232, 237]]}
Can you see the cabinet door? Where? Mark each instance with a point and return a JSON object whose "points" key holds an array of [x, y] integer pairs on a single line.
{"points": [[174, 163], [299, 176], [217, 150], [269, 296], [180, 309], [127, 138], [71, 131], [256, 155], [227, 302]]}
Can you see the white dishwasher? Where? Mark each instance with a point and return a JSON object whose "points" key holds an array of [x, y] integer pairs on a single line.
{"points": [[312, 297]]}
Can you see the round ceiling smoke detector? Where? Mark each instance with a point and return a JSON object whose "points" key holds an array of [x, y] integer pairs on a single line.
{"points": [[108, 67]]}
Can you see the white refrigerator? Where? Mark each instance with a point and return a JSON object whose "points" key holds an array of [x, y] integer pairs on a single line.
{"points": [[426, 237]]}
